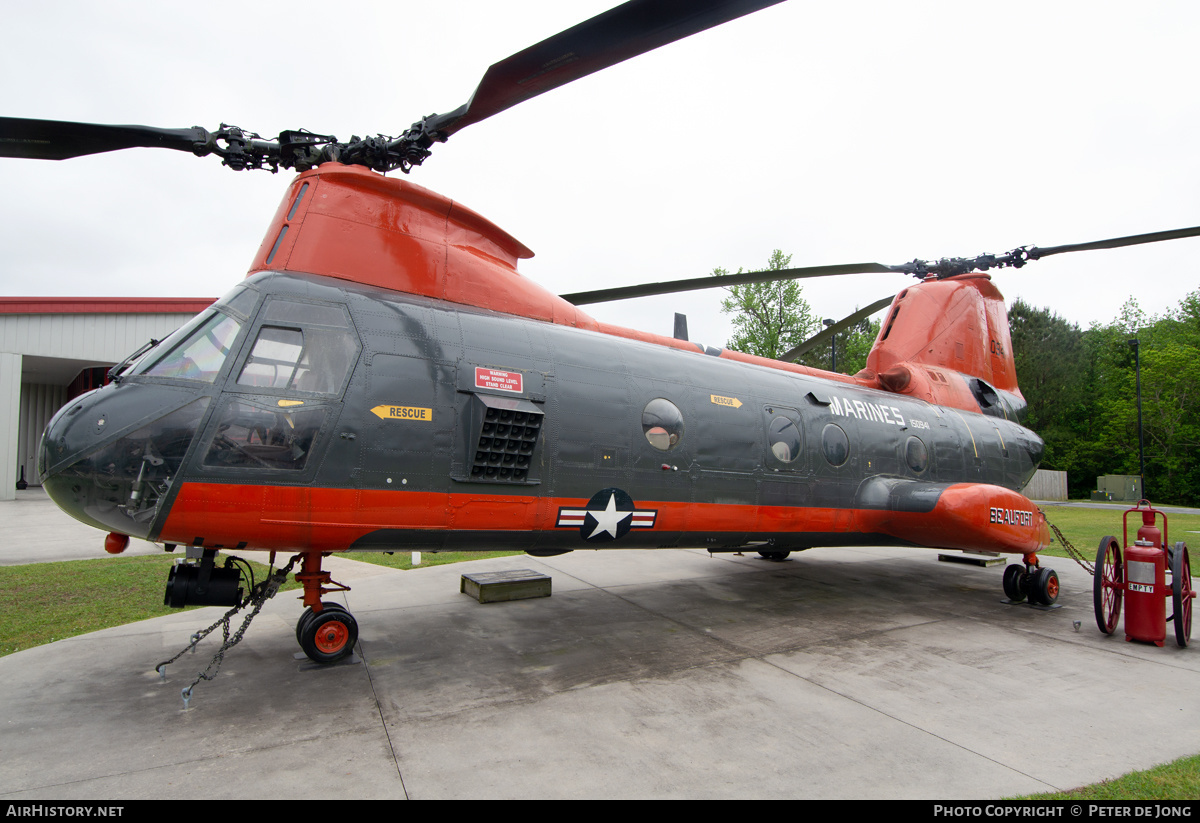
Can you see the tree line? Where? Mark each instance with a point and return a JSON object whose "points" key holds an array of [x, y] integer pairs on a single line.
{"points": [[1080, 384]]}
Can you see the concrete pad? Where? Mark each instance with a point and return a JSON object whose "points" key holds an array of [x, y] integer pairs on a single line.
{"points": [[839, 673]]}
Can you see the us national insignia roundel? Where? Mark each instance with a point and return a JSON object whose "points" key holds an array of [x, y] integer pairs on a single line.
{"points": [[609, 515]]}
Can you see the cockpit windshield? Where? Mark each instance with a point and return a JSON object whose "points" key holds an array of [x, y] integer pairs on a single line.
{"points": [[194, 352]]}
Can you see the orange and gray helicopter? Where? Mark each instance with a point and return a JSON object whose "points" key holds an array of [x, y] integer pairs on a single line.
{"points": [[385, 380]]}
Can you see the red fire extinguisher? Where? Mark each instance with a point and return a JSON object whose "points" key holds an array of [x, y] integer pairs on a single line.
{"points": [[1141, 580]]}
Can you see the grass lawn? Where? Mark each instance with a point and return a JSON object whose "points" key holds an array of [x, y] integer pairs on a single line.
{"points": [[1170, 781], [44, 602], [1085, 527]]}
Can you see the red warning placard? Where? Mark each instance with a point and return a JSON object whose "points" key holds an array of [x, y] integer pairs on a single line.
{"points": [[496, 379]]}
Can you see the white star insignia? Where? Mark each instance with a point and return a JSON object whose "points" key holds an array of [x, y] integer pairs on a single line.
{"points": [[609, 519]]}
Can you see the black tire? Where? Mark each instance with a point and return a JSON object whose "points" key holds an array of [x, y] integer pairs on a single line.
{"points": [[304, 618], [1043, 587], [1012, 583], [308, 613], [1108, 585], [1182, 593], [329, 636], [775, 556]]}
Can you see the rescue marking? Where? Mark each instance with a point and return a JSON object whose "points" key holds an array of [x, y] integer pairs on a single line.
{"points": [[512, 381], [403, 413], [609, 515], [290, 403], [718, 400]]}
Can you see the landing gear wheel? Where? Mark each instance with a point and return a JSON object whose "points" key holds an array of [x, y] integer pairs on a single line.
{"points": [[1108, 585], [308, 614], [1013, 589], [1182, 593], [1043, 587], [775, 556], [304, 618], [329, 635]]}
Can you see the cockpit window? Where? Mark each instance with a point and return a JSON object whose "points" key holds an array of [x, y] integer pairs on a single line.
{"points": [[200, 351], [313, 359], [256, 436], [273, 360], [240, 301], [306, 347]]}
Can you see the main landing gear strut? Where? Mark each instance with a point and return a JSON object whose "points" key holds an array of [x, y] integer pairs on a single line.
{"points": [[326, 631], [1031, 581]]}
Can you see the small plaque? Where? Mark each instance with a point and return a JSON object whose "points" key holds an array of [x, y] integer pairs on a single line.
{"points": [[494, 587]]}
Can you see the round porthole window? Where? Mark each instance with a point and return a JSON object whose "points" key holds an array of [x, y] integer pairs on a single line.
{"points": [[916, 455], [784, 437], [662, 424], [834, 444]]}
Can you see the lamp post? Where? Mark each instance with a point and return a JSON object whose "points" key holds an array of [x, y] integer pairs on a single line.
{"points": [[1137, 368], [829, 321]]}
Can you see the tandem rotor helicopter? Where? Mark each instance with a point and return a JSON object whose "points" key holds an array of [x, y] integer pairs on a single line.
{"points": [[385, 380]]}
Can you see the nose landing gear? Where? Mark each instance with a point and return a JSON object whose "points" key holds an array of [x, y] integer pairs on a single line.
{"points": [[326, 632]]}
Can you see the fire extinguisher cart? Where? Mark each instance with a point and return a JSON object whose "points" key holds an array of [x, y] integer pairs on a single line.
{"points": [[1137, 579]]}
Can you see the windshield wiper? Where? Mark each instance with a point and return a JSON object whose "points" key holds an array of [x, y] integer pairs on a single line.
{"points": [[114, 374]]}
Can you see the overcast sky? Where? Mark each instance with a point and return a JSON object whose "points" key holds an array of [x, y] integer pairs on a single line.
{"points": [[837, 132]]}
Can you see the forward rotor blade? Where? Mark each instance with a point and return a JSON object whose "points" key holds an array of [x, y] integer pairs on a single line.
{"points": [[616, 35], [59, 140], [725, 280], [1036, 253], [825, 336]]}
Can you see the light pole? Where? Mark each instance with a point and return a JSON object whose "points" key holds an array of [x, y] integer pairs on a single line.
{"points": [[829, 321], [1137, 368]]}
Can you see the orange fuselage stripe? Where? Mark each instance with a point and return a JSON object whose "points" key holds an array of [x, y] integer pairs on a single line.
{"points": [[295, 518]]}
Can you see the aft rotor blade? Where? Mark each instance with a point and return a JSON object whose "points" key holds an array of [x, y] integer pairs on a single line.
{"points": [[827, 334], [616, 35], [60, 140], [1116, 242], [724, 280]]}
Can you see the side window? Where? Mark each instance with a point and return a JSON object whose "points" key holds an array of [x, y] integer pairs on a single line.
{"points": [[302, 347], [916, 455], [783, 436], [662, 423], [835, 445]]}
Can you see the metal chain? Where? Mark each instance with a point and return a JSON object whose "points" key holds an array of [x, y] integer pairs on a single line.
{"points": [[1072, 552], [259, 595]]}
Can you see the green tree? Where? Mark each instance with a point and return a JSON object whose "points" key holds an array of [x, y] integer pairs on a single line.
{"points": [[1055, 373], [1082, 393], [853, 346], [768, 318]]}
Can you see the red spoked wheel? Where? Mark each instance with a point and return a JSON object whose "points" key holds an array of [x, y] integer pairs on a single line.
{"points": [[1182, 593], [328, 636], [1108, 585]]}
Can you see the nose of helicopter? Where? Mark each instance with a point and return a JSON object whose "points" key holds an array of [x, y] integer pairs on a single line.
{"points": [[109, 457]]}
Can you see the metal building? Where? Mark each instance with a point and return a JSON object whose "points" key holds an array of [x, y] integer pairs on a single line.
{"points": [[55, 348]]}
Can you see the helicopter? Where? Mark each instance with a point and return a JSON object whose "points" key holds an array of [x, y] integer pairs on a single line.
{"points": [[386, 380]]}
